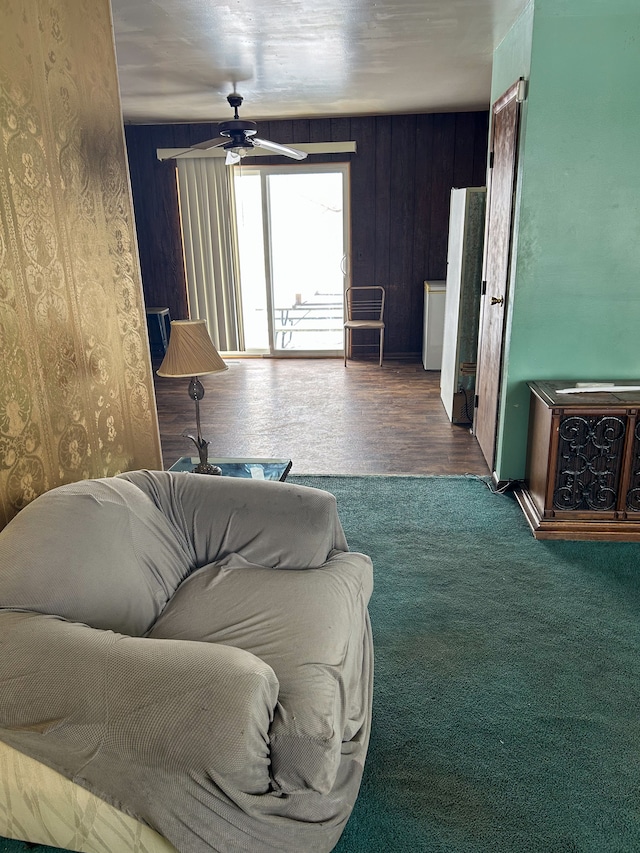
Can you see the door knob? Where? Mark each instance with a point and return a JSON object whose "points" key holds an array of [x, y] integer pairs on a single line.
{"points": [[497, 300]]}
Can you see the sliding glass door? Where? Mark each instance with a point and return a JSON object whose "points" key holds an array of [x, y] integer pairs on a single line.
{"points": [[292, 226]]}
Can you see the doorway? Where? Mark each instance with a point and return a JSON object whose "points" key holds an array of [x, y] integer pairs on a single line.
{"points": [[293, 239]]}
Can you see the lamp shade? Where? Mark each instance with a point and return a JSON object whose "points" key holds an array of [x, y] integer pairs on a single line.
{"points": [[191, 351]]}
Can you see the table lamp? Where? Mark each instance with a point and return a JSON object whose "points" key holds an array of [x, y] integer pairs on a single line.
{"points": [[191, 353]]}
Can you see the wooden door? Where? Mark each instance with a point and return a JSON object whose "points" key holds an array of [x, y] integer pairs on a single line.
{"points": [[503, 150]]}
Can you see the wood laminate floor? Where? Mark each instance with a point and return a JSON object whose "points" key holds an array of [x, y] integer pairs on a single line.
{"points": [[362, 419]]}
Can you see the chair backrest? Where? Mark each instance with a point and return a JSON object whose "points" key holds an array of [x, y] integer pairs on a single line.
{"points": [[364, 303]]}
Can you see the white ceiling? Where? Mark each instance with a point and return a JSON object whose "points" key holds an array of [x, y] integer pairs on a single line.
{"points": [[178, 59]]}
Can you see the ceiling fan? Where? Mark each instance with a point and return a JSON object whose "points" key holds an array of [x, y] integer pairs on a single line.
{"points": [[239, 137]]}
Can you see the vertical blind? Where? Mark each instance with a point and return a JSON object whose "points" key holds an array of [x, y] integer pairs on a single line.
{"points": [[207, 211]]}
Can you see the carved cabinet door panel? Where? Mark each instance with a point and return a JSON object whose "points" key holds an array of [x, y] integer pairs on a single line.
{"points": [[501, 186]]}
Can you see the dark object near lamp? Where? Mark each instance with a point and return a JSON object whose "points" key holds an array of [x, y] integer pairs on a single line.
{"points": [[191, 353]]}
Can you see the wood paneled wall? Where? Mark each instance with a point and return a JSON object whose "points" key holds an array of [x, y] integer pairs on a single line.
{"points": [[401, 179]]}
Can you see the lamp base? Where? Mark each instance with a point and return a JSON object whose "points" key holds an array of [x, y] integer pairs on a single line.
{"points": [[207, 468]]}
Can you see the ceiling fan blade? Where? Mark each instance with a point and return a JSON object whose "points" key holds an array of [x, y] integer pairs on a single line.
{"points": [[208, 143], [202, 145], [193, 148], [279, 149], [232, 158]]}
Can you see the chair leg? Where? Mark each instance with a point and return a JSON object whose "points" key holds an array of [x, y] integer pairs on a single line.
{"points": [[346, 336], [381, 344]]}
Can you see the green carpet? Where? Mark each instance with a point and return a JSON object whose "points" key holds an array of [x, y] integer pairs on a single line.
{"points": [[506, 709]]}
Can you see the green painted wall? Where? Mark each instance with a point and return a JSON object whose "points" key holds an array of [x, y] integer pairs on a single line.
{"points": [[512, 57], [574, 305]]}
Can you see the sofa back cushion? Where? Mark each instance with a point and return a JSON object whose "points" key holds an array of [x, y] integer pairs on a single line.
{"points": [[96, 551], [272, 524]]}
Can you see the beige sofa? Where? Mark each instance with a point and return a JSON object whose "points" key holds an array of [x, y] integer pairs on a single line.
{"points": [[185, 664]]}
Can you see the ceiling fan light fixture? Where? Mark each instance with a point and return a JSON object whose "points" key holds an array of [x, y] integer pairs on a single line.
{"points": [[237, 148]]}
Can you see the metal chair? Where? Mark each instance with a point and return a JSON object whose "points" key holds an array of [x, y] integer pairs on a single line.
{"points": [[364, 309], [159, 328]]}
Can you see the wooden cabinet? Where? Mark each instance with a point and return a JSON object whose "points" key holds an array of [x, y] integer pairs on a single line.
{"points": [[583, 463]]}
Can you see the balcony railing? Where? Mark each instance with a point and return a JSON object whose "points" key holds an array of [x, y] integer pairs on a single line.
{"points": [[322, 317]]}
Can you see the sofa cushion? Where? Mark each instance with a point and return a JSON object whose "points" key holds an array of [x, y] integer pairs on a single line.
{"points": [[96, 551], [308, 625], [271, 524]]}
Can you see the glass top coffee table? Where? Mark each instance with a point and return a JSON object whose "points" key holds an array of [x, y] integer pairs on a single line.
{"points": [[255, 469]]}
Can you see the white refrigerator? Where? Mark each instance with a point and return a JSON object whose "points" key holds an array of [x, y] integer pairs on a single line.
{"points": [[462, 302], [434, 298]]}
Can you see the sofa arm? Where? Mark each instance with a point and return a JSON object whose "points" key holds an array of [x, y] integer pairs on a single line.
{"points": [[106, 709], [280, 525]]}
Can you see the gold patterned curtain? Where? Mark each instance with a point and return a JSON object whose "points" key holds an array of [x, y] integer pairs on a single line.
{"points": [[76, 390]]}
